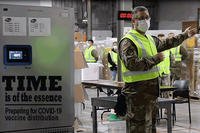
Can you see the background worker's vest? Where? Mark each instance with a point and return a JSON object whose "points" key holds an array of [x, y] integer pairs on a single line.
{"points": [[88, 55], [113, 56], [165, 64], [146, 48], [176, 53]]}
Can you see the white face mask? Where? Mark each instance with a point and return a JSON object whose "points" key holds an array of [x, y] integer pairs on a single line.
{"points": [[88, 44], [143, 25]]}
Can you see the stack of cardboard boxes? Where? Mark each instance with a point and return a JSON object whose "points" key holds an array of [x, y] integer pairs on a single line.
{"points": [[106, 69], [80, 37], [191, 70], [79, 63]]}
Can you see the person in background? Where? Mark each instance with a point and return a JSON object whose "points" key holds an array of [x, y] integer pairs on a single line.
{"points": [[112, 60], [178, 56], [139, 54], [164, 65], [91, 55], [161, 37]]}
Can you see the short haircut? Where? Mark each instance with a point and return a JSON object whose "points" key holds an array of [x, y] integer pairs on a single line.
{"points": [[161, 35], [91, 40], [114, 42], [138, 8], [171, 33]]}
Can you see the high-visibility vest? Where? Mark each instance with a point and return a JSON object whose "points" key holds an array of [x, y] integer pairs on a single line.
{"points": [[113, 56], [146, 48], [165, 64], [176, 53], [88, 55]]}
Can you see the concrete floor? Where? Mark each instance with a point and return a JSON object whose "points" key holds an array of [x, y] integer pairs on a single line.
{"points": [[104, 126]]}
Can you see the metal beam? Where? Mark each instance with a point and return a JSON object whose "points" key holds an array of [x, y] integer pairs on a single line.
{"points": [[89, 20]]}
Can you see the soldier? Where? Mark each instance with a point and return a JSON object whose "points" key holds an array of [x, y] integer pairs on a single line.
{"points": [[139, 54], [178, 55], [112, 61], [164, 65]]}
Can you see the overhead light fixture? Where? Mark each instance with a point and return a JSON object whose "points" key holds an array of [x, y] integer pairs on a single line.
{"points": [[84, 20]]}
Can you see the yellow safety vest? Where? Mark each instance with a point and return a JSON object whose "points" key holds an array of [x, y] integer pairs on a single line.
{"points": [[176, 53], [146, 48], [113, 56], [88, 55], [165, 64]]}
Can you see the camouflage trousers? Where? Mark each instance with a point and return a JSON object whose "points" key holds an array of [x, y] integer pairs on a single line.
{"points": [[176, 71], [141, 113]]}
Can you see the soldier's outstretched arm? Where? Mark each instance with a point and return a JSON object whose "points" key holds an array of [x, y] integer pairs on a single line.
{"points": [[169, 43], [174, 41], [129, 55]]}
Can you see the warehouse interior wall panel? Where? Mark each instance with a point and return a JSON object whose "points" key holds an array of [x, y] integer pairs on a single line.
{"points": [[47, 3], [173, 12]]}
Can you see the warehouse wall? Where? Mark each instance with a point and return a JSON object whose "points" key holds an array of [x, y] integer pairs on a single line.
{"points": [[30, 3], [127, 5], [171, 13], [104, 14]]}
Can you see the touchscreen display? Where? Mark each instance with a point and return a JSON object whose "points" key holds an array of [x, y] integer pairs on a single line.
{"points": [[14, 55], [17, 54]]}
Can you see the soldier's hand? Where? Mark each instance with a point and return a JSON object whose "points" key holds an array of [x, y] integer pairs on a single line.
{"points": [[160, 56], [190, 31]]}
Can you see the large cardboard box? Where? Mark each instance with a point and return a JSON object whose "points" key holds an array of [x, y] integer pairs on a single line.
{"points": [[92, 72], [79, 63], [192, 24], [80, 37], [78, 93], [79, 60], [77, 36], [77, 76]]}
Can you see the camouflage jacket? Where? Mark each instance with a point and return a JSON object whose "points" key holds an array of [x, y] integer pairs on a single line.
{"points": [[129, 55]]}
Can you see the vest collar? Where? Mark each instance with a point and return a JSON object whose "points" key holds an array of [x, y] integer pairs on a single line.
{"points": [[137, 33], [90, 47]]}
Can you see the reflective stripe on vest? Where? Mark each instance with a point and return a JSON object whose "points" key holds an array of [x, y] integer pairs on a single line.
{"points": [[113, 56], [88, 54], [145, 49], [176, 53], [131, 73], [165, 64], [140, 43]]}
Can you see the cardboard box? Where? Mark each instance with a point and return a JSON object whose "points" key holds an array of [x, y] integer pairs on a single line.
{"points": [[78, 93], [77, 76], [79, 59], [92, 72], [186, 24], [77, 36], [80, 37], [79, 63]]}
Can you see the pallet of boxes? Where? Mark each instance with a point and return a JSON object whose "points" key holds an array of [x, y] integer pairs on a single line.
{"points": [[106, 69], [191, 71]]}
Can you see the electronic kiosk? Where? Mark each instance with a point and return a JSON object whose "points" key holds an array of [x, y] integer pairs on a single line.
{"points": [[36, 69]]}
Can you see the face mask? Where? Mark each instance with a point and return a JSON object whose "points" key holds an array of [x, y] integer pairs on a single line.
{"points": [[88, 44], [143, 25]]}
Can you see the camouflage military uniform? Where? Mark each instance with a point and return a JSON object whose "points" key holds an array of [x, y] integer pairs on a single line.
{"points": [[176, 66], [141, 96]]}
